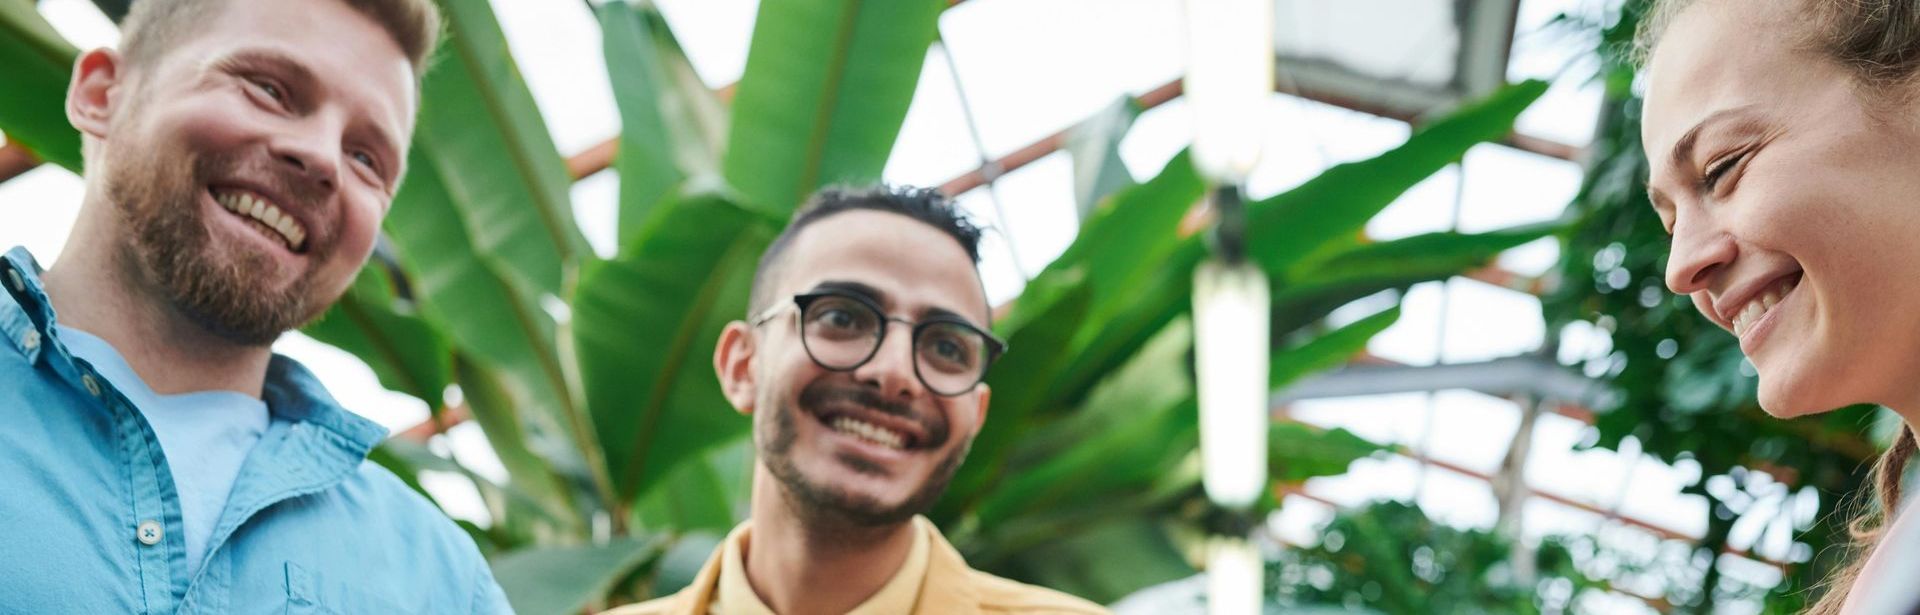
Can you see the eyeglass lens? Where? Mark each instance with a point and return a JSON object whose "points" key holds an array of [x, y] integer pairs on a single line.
{"points": [[843, 333]]}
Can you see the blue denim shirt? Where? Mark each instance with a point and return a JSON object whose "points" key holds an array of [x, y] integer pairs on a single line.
{"points": [[90, 521]]}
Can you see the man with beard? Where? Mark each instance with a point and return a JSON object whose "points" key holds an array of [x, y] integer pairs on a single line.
{"points": [[860, 364], [156, 456]]}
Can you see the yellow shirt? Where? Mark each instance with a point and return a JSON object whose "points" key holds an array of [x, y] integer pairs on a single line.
{"points": [[942, 585], [737, 597]]}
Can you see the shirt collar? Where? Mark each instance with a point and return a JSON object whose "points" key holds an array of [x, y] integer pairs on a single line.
{"points": [[291, 392], [899, 595], [27, 314]]}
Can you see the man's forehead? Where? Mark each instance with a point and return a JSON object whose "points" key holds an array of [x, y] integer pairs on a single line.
{"points": [[349, 54], [909, 263]]}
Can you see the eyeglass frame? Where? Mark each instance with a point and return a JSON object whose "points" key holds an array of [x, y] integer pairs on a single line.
{"points": [[995, 346]]}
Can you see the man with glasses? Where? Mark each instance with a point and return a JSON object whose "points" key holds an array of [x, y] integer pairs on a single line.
{"points": [[861, 365]]}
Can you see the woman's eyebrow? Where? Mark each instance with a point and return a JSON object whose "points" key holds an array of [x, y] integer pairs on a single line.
{"points": [[1683, 154]]}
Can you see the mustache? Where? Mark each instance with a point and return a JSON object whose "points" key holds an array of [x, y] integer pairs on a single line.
{"points": [[290, 187], [821, 394]]}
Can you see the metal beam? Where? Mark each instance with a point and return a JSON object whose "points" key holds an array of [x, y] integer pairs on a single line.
{"points": [[1172, 89], [437, 424], [1528, 376], [1659, 530], [597, 157], [15, 161]]}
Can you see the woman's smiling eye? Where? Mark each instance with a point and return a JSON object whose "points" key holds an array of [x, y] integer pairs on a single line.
{"points": [[1719, 170]]}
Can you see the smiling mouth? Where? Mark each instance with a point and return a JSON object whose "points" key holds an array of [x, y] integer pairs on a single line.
{"points": [[1761, 304], [260, 213], [849, 424], [869, 432]]}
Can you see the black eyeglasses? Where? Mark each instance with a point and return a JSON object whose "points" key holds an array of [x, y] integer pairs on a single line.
{"points": [[842, 331]]}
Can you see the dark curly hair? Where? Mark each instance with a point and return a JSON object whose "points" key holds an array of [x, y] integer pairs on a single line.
{"points": [[923, 204]]}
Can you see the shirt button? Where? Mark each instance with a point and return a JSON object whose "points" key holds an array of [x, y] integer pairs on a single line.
{"points": [[19, 285], [31, 340], [149, 532], [93, 386]]}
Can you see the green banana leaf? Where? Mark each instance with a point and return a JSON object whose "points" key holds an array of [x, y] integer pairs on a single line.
{"points": [[1365, 269], [825, 90], [483, 228], [1134, 233], [530, 473], [1106, 561], [1298, 451], [706, 494], [1126, 442], [1060, 464], [479, 124], [1134, 259], [406, 353], [1290, 226], [565, 580], [1121, 254], [33, 104], [1094, 145], [514, 512], [1328, 350], [645, 326], [1142, 421], [500, 330], [1426, 252], [1338, 203], [672, 125], [1014, 394]]}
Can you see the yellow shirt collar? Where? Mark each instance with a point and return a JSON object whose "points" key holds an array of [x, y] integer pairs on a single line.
{"points": [[736, 595]]}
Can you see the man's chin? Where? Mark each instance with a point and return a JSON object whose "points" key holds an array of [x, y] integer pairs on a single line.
{"points": [[245, 306], [837, 496], [859, 493], [243, 297]]}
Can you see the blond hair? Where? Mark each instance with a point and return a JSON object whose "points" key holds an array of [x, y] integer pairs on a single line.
{"points": [[153, 26]]}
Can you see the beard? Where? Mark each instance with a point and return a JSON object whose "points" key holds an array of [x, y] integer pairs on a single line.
{"points": [[823, 507], [217, 286]]}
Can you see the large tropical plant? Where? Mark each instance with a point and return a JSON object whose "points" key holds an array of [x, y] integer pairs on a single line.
{"points": [[588, 375]]}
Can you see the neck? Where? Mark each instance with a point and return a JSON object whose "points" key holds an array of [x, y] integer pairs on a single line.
{"points": [[1908, 408], [798, 568], [95, 288]]}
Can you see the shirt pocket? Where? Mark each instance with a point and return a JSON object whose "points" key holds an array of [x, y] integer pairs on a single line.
{"points": [[309, 593]]}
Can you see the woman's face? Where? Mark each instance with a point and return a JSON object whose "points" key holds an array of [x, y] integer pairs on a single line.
{"points": [[1794, 205]]}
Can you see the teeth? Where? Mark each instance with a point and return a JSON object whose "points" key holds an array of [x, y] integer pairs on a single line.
{"points": [[869, 432], [289, 229], [266, 213], [1758, 307]]}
